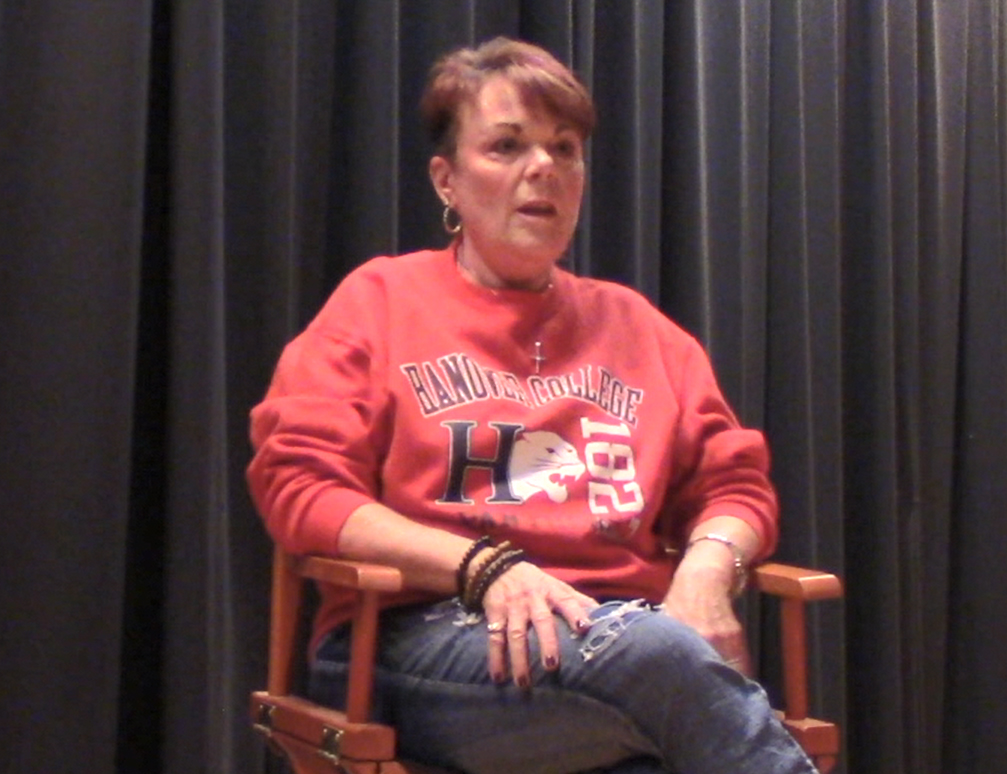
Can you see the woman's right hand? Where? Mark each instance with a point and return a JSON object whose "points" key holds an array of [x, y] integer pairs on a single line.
{"points": [[526, 596], [522, 596]]}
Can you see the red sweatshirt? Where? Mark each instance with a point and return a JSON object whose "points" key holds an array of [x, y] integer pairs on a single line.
{"points": [[420, 390]]}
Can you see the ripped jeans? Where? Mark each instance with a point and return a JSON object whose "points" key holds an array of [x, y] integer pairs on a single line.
{"points": [[639, 693]]}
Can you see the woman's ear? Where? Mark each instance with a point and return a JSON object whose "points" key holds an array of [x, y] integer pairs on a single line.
{"points": [[441, 177]]}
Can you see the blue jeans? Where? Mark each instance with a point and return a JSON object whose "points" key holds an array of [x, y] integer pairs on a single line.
{"points": [[639, 693]]}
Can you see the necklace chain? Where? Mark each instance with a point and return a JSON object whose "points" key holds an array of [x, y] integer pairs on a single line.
{"points": [[474, 277], [538, 357]]}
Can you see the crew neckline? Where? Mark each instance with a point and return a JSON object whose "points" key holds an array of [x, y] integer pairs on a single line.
{"points": [[508, 296]]}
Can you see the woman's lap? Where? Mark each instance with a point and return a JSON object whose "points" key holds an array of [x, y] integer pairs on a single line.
{"points": [[638, 685]]}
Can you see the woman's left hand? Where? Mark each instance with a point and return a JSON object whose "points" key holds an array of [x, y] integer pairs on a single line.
{"points": [[700, 596]]}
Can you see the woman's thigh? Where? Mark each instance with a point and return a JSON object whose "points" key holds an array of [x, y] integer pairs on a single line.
{"points": [[434, 687], [638, 685]]}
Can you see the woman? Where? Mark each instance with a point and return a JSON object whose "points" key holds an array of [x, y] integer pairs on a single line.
{"points": [[546, 458]]}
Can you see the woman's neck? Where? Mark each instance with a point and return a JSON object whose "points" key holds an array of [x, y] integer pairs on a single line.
{"points": [[477, 272]]}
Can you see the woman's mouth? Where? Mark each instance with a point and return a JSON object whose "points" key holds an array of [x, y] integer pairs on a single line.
{"points": [[537, 209]]}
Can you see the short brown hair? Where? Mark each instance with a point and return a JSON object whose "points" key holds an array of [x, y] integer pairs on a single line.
{"points": [[539, 77]]}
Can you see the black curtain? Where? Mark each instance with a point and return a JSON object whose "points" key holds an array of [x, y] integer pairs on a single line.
{"points": [[816, 188]]}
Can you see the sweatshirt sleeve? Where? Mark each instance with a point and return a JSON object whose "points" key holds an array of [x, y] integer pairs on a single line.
{"points": [[317, 434], [720, 468]]}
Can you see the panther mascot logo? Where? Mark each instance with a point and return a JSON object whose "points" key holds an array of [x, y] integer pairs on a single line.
{"points": [[541, 461]]}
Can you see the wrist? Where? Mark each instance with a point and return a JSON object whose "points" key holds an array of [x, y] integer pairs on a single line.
{"points": [[721, 556], [480, 560], [469, 563], [482, 564]]}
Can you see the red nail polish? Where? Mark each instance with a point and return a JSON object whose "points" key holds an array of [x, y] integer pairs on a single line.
{"points": [[551, 662]]}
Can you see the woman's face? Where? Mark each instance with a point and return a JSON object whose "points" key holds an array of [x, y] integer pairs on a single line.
{"points": [[516, 181]]}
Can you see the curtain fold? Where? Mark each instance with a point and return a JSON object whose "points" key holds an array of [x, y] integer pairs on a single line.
{"points": [[72, 150], [815, 189], [978, 580], [803, 306], [200, 702]]}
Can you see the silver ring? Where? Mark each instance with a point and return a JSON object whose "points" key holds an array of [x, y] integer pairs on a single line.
{"points": [[496, 626]]}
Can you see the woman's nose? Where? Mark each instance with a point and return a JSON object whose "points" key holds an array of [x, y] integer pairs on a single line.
{"points": [[541, 161]]}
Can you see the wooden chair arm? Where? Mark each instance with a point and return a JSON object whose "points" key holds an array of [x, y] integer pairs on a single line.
{"points": [[780, 580], [360, 576], [796, 586], [783, 580], [368, 580]]}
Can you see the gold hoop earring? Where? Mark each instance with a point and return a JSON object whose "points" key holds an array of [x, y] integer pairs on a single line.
{"points": [[451, 228]]}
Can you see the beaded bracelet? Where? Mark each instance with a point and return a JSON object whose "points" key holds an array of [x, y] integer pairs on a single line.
{"points": [[461, 575], [487, 574], [465, 583], [468, 583]]}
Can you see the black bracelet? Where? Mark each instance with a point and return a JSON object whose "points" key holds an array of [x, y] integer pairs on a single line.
{"points": [[469, 584], [487, 574], [461, 576]]}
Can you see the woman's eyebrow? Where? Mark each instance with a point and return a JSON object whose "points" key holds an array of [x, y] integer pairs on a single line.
{"points": [[518, 127]]}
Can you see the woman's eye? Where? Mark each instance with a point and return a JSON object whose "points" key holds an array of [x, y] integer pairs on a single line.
{"points": [[505, 145], [566, 149]]}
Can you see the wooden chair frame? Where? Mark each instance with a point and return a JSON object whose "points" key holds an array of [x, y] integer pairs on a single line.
{"points": [[321, 740]]}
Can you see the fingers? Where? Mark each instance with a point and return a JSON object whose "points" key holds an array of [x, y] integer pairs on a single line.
{"points": [[727, 637], [545, 629], [575, 608], [507, 617], [733, 648], [714, 619], [497, 647], [742, 663], [507, 650], [517, 648], [524, 598]]}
